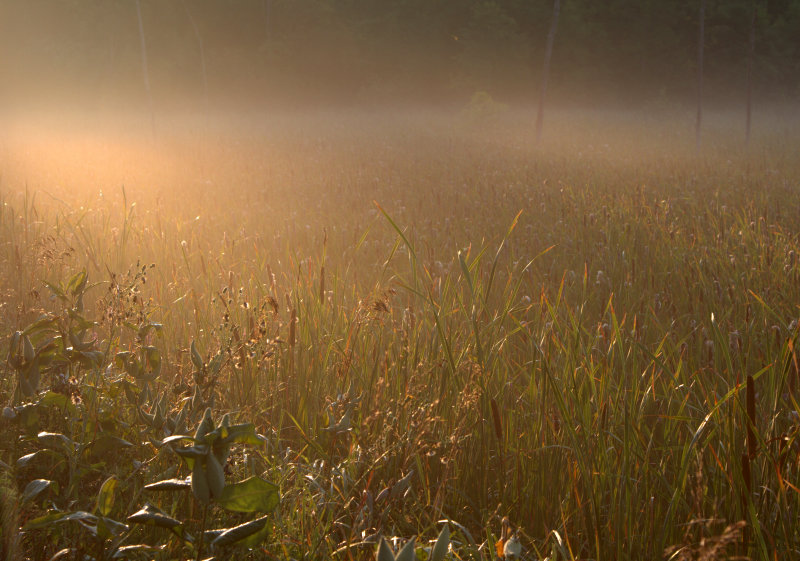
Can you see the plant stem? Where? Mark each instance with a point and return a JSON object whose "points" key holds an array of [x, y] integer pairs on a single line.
{"points": [[202, 533]]}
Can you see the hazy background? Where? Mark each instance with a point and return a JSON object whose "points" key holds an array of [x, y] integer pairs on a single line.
{"points": [[635, 53], [237, 83]]}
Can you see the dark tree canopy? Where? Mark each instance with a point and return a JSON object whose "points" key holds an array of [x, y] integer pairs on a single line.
{"points": [[356, 51]]}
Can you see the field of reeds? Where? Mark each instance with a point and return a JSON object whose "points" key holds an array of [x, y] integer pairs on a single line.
{"points": [[287, 337]]}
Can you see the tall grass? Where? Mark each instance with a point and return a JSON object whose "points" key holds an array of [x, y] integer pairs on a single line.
{"points": [[562, 335]]}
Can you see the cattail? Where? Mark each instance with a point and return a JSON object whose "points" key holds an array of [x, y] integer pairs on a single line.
{"points": [[498, 427], [273, 303], [603, 416]]}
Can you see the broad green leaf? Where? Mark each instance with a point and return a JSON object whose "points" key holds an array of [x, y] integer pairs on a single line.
{"points": [[148, 418], [80, 323], [442, 544], [65, 553], [38, 457], [153, 357], [28, 352], [136, 549], [216, 476], [254, 540], [194, 452], [251, 495], [221, 450], [197, 360], [90, 359], [108, 528], [205, 426], [176, 438], [35, 487], [121, 357], [45, 520], [197, 398], [178, 426], [29, 379], [200, 487], [407, 553], [57, 400], [216, 363], [14, 350], [210, 535], [45, 322], [57, 290], [385, 552], [244, 433], [126, 360], [106, 443], [58, 517], [152, 516], [28, 416], [169, 485], [56, 440], [147, 328], [47, 354], [77, 282], [105, 498], [230, 536]]}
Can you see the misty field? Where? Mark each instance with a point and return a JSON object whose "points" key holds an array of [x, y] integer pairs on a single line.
{"points": [[319, 330]]}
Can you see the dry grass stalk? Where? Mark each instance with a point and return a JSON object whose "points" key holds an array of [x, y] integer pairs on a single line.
{"points": [[9, 520], [714, 548], [292, 324], [322, 284]]}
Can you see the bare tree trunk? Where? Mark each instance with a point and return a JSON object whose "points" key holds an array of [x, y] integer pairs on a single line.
{"points": [[202, 53], [548, 53], [145, 71], [700, 45], [751, 47]]}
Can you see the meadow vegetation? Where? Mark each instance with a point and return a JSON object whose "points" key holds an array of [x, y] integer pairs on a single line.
{"points": [[317, 330]]}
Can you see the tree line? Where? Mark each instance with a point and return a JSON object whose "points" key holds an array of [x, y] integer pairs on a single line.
{"points": [[389, 50]]}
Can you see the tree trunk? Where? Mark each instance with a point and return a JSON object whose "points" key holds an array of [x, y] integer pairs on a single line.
{"points": [[700, 45], [548, 53], [751, 47], [144, 69]]}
